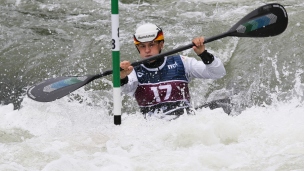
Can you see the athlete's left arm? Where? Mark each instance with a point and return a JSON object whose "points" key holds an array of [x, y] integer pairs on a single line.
{"points": [[208, 69]]}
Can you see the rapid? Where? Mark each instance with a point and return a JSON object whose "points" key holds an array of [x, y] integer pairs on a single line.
{"points": [[41, 39]]}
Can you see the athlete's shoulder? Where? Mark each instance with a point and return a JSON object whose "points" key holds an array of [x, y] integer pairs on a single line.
{"points": [[184, 58], [176, 57]]}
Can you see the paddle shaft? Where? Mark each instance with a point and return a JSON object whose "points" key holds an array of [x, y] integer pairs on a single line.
{"points": [[179, 49], [267, 20]]}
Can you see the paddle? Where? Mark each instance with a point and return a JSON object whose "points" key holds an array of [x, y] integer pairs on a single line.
{"points": [[267, 20], [225, 104]]}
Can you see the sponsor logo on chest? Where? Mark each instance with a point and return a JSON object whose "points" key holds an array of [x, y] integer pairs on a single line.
{"points": [[172, 66], [140, 74]]}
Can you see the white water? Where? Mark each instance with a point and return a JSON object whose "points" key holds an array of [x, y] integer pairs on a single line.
{"points": [[73, 137], [69, 136]]}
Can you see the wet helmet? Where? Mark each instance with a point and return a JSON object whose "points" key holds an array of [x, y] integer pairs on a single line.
{"points": [[148, 32]]}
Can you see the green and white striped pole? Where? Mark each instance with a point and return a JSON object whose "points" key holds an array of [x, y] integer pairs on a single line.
{"points": [[116, 63]]}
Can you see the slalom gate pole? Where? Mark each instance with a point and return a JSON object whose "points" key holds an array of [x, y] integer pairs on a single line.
{"points": [[116, 62]]}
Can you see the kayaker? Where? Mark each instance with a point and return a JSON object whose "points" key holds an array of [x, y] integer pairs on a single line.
{"points": [[160, 87]]}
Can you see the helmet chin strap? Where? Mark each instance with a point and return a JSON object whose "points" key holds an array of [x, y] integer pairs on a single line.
{"points": [[137, 49]]}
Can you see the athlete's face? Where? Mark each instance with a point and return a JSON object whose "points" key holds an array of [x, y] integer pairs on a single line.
{"points": [[149, 49]]}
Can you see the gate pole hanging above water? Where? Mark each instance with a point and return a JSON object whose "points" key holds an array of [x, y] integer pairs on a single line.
{"points": [[116, 62]]}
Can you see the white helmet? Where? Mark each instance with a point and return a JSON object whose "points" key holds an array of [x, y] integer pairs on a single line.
{"points": [[148, 32]]}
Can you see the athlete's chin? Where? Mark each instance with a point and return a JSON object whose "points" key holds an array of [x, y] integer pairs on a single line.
{"points": [[147, 57]]}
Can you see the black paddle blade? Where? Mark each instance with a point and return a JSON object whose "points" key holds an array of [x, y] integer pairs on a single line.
{"points": [[268, 20], [225, 104], [56, 88]]}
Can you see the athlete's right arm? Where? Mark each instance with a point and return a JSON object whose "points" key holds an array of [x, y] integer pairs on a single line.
{"points": [[129, 83], [126, 67], [128, 78]]}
